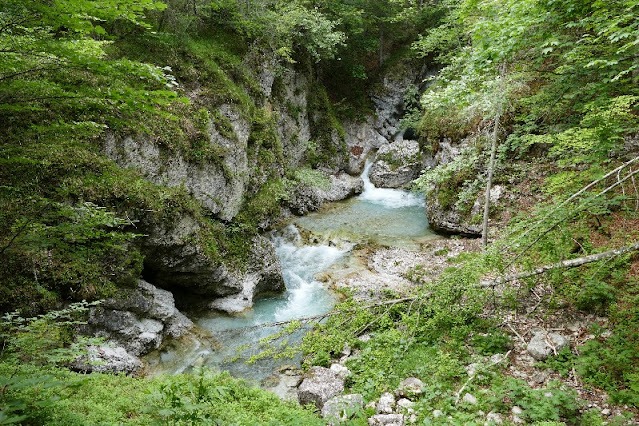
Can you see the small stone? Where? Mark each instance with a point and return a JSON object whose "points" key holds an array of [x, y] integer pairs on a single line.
{"points": [[469, 399], [386, 404], [542, 343], [548, 394], [437, 413], [409, 388], [471, 369], [405, 405], [494, 418], [342, 407], [540, 378], [340, 370], [346, 351], [364, 338], [516, 410], [517, 420], [386, 420], [497, 358], [606, 412]]}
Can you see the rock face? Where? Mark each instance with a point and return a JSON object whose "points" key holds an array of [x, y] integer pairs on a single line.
{"points": [[319, 386], [264, 276], [397, 164], [389, 100], [173, 263], [218, 186], [544, 344], [137, 321]]}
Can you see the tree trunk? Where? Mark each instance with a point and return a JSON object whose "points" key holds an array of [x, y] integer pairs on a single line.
{"points": [[493, 152], [491, 170], [381, 47]]}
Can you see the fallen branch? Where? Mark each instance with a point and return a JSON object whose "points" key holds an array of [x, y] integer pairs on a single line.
{"points": [[577, 194], [326, 315], [470, 379], [570, 263]]}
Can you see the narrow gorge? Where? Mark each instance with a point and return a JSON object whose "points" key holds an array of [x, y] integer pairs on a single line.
{"points": [[366, 212]]}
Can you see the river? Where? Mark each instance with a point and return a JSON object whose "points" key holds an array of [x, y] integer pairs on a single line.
{"points": [[382, 216]]}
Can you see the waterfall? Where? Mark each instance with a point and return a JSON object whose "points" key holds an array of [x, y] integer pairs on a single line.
{"points": [[387, 197]]}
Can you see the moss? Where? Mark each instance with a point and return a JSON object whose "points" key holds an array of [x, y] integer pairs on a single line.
{"points": [[327, 131]]}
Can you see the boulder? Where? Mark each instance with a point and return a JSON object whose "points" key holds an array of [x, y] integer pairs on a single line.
{"points": [[386, 420], [108, 359], [340, 370], [319, 385], [137, 320], [544, 344], [138, 335], [409, 388], [342, 407], [397, 164]]}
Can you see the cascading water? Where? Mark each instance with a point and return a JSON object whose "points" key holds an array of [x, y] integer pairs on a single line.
{"points": [[387, 197], [383, 215], [386, 216], [239, 335]]}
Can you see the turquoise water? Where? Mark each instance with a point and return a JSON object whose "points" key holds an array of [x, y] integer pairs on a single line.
{"points": [[383, 216]]}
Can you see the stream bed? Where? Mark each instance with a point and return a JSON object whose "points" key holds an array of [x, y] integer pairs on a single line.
{"points": [[381, 216]]}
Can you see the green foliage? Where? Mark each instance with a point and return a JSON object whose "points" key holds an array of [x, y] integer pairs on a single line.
{"points": [[30, 348], [554, 403], [610, 362], [36, 389]]}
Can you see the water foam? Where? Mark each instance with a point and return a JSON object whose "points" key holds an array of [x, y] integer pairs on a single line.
{"points": [[387, 197]]}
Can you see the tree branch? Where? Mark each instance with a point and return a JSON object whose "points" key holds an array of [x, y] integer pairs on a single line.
{"points": [[570, 263]]}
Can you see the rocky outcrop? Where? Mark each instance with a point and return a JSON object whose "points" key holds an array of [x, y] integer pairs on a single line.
{"points": [[174, 262], [137, 321], [264, 276], [388, 98], [397, 164], [453, 220], [307, 198]]}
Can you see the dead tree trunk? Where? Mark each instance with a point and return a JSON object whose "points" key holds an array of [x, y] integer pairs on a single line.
{"points": [[491, 170], [493, 152]]}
